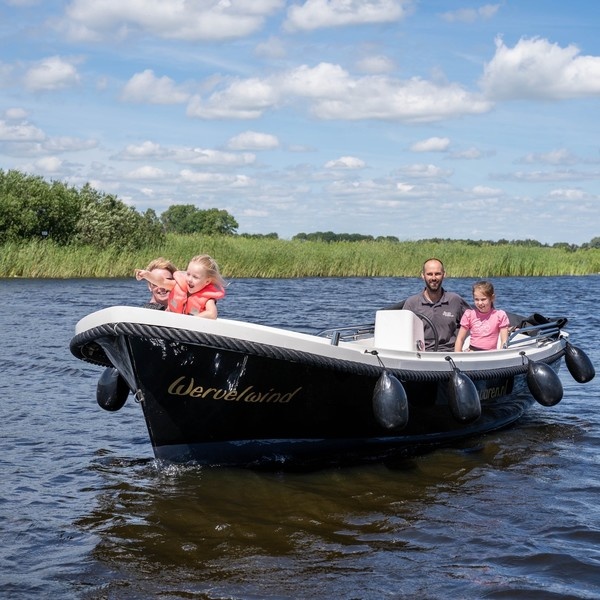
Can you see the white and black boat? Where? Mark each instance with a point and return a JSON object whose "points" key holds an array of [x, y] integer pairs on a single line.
{"points": [[226, 392]]}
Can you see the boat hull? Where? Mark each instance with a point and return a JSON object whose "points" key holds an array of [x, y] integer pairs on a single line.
{"points": [[213, 399]]}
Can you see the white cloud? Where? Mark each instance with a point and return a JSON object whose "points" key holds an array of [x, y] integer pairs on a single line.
{"points": [[555, 157], [432, 144], [569, 194], [214, 178], [421, 171], [316, 14], [468, 154], [15, 114], [273, 48], [146, 172], [481, 190], [345, 162], [537, 69], [332, 93], [146, 149], [22, 132], [208, 157], [50, 74], [242, 99], [68, 144], [252, 140], [175, 20], [470, 15], [49, 164], [146, 88], [375, 64]]}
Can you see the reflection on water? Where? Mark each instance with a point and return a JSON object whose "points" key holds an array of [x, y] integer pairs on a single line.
{"points": [[249, 534], [86, 512]]}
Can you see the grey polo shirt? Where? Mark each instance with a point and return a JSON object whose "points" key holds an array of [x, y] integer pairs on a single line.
{"points": [[444, 314]]}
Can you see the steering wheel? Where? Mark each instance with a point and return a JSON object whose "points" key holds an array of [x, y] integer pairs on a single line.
{"points": [[436, 337]]}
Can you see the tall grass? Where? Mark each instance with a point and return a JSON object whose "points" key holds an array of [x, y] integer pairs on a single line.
{"points": [[269, 258]]}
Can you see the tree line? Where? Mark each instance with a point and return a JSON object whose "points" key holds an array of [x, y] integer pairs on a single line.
{"points": [[32, 208]]}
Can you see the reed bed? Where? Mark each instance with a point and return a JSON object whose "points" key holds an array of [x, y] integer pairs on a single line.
{"points": [[273, 258]]}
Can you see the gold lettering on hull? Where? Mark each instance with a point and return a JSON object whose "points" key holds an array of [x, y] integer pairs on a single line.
{"points": [[495, 392], [184, 386]]}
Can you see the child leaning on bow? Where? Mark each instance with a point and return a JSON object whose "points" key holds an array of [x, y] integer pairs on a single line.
{"points": [[192, 292]]}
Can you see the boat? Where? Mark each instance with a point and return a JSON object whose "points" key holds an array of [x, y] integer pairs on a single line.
{"points": [[226, 392]]}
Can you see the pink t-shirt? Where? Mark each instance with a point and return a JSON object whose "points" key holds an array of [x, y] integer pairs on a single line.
{"points": [[484, 327]]}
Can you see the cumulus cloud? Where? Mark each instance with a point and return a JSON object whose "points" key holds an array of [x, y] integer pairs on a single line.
{"points": [[537, 69], [569, 194], [331, 92], [555, 157], [50, 74], [146, 172], [252, 140], [92, 20], [345, 162], [146, 149], [210, 179], [316, 14], [468, 154], [208, 156], [146, 88], [432, 144], [68, 144], [422, 171], [20, 132], [241, 99], [49, 164]]}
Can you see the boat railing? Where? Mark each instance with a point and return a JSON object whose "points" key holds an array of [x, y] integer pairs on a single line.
{"points": [[522, 335], [350, 333], [537, 333]]}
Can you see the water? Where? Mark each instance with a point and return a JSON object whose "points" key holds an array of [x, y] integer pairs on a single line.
{"points": [[85, 512]]}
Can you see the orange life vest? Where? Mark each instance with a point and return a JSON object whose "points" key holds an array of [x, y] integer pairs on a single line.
{"points": [[191, 304]]}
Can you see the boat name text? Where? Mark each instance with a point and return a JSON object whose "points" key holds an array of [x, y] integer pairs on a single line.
{"points": [[187, 387], [493, 392]]}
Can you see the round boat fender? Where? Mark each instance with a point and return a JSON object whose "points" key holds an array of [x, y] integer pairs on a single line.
{"points": [[390, 404], [111, 391], [579, 365], [463, 398], [544, 384]]}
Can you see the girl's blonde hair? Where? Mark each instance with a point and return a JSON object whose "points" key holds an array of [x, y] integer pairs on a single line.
{"points": [[211, 267]]}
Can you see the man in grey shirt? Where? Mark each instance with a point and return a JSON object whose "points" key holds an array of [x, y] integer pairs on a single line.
{"points": [[444, 309]]}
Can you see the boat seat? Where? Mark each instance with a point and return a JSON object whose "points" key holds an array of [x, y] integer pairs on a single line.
{"points": [[399, 330]]}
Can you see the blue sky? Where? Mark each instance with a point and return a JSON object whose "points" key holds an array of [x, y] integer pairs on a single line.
{"points": [[414, 119]]}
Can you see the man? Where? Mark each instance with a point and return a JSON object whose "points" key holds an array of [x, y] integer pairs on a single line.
{"points": [[159, 295], [443, 308]]}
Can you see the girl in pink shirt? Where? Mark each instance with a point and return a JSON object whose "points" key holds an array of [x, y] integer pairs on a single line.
{"points": [[484, 321]]}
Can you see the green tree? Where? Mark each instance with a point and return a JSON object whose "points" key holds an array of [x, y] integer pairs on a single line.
{"points": [[33, 208], [106, 221], [186, 218]]}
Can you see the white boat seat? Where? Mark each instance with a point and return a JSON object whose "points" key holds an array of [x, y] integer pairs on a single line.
{"points": [[399, 330]]}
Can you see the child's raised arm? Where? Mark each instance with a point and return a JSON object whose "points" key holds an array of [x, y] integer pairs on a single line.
{"points": [[154, 278]]}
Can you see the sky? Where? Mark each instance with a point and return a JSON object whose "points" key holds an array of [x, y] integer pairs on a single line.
{"points": [[414, 119]]}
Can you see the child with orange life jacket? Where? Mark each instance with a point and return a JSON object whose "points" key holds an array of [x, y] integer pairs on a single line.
{"points": [[192, 292]]}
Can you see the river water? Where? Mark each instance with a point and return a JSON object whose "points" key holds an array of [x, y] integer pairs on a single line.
{"points": [[86, 512]]}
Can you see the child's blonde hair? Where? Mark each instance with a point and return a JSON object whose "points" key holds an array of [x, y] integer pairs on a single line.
{"points": [[211, 267]]}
